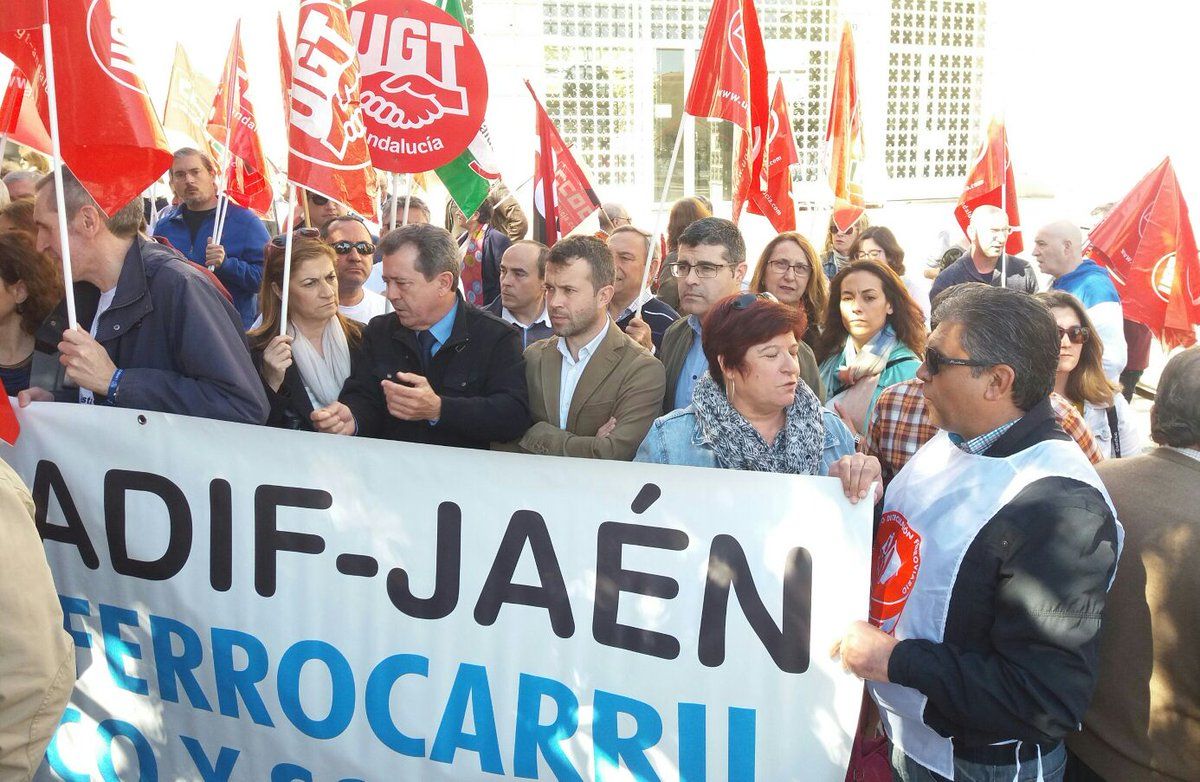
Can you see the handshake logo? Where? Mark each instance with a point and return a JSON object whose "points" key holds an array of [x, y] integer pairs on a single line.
{"points": [[409, 70]]}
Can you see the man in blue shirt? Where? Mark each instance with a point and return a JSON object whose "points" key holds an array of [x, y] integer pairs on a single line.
{"points": [[1058, 249], [237, 260]]}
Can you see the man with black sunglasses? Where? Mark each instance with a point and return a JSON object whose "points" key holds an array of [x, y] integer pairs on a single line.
{"points": [[355, 250], [321, 209], [993, 557]]}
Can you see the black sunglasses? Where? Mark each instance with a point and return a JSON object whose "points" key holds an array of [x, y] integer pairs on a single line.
{"points": [[934, 361], [318, 200], [363, 248], [1076, 334], [746, 299]]}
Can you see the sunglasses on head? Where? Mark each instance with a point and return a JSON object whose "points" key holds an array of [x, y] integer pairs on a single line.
{"points": [[745, 300], [935, 361], [363, 248], [278, 243], [1076, 334]]}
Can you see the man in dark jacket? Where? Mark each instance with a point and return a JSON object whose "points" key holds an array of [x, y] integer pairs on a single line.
{"points": [[993, 559], [631, 252], [439, 372], [238, 259], [161, 336], [986, 261]]}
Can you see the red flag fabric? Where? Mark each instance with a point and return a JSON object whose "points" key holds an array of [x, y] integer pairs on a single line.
{"points": [[285, 62], [774, 197], [246, 179], [327, 138], [562, 196], [730, 83], [1147, 245], [21, 14], [843, 134], [991, 182], [10, 427], [109, 134], [19, 117]]}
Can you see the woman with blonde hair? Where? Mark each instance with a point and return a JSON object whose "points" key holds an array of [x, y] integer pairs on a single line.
{"points": [[303, 370], [789, 270], [1082, 382]]}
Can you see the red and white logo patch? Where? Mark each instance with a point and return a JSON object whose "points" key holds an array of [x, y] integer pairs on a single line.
{"points": [[894, 572]]}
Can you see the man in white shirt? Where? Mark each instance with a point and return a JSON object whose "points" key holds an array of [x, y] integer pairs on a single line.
{"points": [[522, 299], [351, 240], [593, 391]]}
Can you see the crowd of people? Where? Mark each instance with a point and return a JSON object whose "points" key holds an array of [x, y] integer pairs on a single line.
{"points": [[987, 415]]}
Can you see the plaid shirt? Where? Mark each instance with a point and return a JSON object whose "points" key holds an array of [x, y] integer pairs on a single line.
{"points": [[900, 425]]}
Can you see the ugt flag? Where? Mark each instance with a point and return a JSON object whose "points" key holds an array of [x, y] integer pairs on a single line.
{"points": [[19, 120], [730, 83], [108, 132], [562, 196], [990, 182], [843, 134], [773, 198], [233, 125], [1148, 247]]}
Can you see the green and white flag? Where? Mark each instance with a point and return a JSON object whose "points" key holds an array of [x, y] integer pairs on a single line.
{"points": [[469, 176]]}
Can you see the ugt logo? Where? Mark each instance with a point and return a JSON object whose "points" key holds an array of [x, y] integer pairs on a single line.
{"points": [[324, 82]]}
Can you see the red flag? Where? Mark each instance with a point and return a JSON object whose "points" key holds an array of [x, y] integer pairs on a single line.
{"points": [[21, 14], [1147, 244], [19, 117], [109, 134], [843, 135], [246, 179], [10, 427], [730, 83], [774, 196], [991, 182], [327, 138], [562, 196], [285, 62]]}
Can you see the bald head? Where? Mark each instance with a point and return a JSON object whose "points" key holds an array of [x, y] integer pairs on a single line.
{"points": [[989, 231], [612, 217], [1058, 247]]}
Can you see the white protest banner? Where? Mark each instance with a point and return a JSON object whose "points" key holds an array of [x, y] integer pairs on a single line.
{"points": [[257, 604]]}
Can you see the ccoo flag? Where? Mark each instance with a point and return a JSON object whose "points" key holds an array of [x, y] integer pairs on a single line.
{"points": [[990, 183], [232, 123], [773, 198], [109, 134], [562, 196], [730, 83], [843, 135], [1148, 247]]}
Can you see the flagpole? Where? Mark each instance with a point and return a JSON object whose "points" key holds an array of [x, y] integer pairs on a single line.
{"points": [[59, 196], [395, 200], [287, 273], [658, 211], [231, 99], [407, 195], [1004, 209]]}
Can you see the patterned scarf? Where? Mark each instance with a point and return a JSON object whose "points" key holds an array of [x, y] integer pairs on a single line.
{"points": [[797, 448], [471, 271], [869, 361]]}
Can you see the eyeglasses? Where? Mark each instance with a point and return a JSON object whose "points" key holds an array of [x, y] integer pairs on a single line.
{"points": [[318, 200], [869, 255], [344, 247], [705, 271], [279, 243], [780, 266], [1076, 334], [745, 300], [934, 361]]}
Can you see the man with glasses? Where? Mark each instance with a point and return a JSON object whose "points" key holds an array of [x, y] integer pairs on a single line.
{"points": [[901, 424], [986, 261], [631, 252], [321, 209], [993, 558], [709, 266], [355, 250], [238, 260]]}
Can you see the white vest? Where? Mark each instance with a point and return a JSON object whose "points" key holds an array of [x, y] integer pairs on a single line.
{"points": [[934, 509]]}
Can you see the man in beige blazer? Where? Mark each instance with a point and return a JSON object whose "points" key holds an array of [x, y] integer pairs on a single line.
{"points": [[593, 391]]}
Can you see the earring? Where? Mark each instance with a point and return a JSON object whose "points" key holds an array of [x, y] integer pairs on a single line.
{"points": [[731, 389]]}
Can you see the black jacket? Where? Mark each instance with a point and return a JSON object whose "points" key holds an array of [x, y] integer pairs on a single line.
{"points": [[178, 340], [658, 315], [290, 406], [1018, 658], [1020, 275], [479, 374]]}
